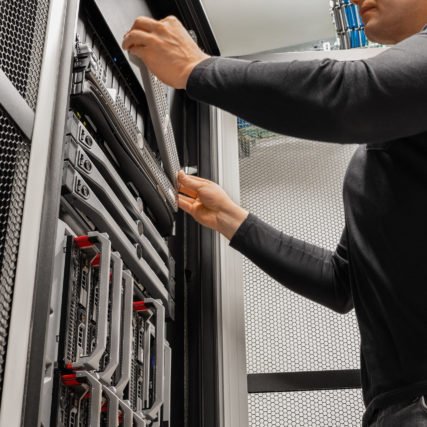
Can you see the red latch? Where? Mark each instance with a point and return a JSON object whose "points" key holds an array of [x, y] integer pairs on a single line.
{"points": [[70, 380], [83, 242], [96, 260], [139, 306]]}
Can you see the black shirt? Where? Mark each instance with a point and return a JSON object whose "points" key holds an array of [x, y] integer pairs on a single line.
{"points": [[380, 265]]}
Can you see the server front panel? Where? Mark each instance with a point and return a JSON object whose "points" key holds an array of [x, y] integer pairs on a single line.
{"points": [[112, 360]]}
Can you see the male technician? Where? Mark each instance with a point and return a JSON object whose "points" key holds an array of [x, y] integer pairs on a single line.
{"points": [[380, 264]]}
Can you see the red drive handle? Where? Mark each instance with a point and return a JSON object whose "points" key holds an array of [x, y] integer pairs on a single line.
{"points": [[139, 306], [83, 242], [70, 380], [96, 260]]}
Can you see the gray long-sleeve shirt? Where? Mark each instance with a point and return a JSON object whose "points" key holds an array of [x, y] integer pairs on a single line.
{"points": [[380, 265]]}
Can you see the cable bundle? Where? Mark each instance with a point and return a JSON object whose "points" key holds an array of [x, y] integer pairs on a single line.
{"points": [[349, 25]]}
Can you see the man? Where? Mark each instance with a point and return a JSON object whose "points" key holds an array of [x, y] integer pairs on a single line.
{"points": [[380, 264]]}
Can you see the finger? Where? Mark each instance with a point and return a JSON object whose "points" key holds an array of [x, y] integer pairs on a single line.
{"points": [[138, 51], [170, 18], [145, 23], [185, 203], [182, 174], [192, 183], [137, 38], [183, 189], [200, 179], [187, 199]]}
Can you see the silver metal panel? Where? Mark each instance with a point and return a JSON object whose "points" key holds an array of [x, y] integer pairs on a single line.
{"points": [[22, 34], [232, 382], [54, 322], [120, 19], [295, 186], [159, 380], [15, 105], [326, 408], [16, 363], [14, 160], [156, 93]]}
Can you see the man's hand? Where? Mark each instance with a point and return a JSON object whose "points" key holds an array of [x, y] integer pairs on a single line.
{"points": [[166, 48], [209, 204]]}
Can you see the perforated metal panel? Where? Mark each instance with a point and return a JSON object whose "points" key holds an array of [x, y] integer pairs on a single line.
{"points": [[306, 409], [22, 33], [296, 186], [165, 135], [14, 160]]}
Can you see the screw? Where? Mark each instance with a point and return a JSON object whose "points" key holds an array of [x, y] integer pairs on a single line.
{"points": [[87, 165], [85, 191], [138, 250], [140, 226]]}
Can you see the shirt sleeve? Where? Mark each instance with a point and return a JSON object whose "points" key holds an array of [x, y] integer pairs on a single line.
{"points": [[313, 272], [365, 101]]}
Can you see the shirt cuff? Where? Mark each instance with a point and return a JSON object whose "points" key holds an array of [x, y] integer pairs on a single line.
{"points": [[238, 241], [195, 78]]}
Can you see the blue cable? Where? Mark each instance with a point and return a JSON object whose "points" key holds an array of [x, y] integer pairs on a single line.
{"points": [[357, 38], [363, 39], [358, 17], [349, 17], [351, 23]]}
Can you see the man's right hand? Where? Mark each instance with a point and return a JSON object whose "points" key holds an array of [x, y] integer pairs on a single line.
{"points": [[209, 204], [166, 49]]}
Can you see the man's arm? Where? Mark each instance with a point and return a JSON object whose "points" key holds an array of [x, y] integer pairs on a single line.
{"points": [[310, 271], [366, 101]]}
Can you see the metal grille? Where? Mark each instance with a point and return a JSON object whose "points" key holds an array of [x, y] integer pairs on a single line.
{"points": [[14, 160], [161, 107], [296, 186], [121, 104], [22, 33], [167, 187], [306, 409]]}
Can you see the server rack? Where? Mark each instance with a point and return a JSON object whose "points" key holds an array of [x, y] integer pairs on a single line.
{"points": [[104, 321]]}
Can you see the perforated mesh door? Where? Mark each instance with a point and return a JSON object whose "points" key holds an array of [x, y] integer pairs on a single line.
{"points": [[14, 160], [22, 34], [296, 186], [326, 408]]}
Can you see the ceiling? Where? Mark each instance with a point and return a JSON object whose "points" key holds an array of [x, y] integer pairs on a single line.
{"points": [[247, 26]]}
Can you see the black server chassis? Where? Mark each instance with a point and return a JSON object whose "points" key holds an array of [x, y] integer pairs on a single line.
{"points": [[114, 363]]}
